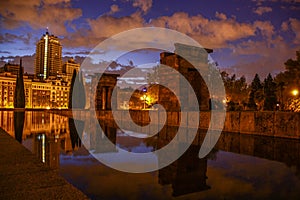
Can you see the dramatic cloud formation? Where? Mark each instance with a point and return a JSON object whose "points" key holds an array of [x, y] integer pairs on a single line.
{"points": [[11, 38], [38, 14], [211, 33], [295, 26], [261, 10], [144, 5], [247, 41]]}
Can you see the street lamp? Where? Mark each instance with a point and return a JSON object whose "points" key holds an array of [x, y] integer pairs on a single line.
{"points": [[295, 92], [144, 98]]}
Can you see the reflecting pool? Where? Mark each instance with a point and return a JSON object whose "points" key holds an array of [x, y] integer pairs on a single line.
{"points": [[239, 167]]}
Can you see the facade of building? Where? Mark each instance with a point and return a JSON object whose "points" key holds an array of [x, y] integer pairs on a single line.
{"points": [[48, 61], [68, 68], [12, 68], [38, 94]]}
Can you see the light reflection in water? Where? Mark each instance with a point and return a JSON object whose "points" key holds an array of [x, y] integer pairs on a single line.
{"points": [[240, 166]]}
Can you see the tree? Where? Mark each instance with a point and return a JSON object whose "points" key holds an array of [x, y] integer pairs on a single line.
{"points": [[81, 92], [77, 97], [288, 80], [71, 89], [270, 99], [153, 77], [236, 91], [19, 97], [256, 93]]}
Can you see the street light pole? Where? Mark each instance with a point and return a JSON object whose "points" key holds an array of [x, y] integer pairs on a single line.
{"points": [[144, 98]]}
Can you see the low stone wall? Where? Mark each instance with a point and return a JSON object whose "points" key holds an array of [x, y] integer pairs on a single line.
{"points": [[267, 123]]}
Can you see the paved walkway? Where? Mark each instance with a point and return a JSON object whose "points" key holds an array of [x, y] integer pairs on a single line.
{"points": [[23, 176]]}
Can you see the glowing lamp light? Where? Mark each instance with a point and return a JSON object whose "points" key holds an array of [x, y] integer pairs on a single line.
{"points": [[295, 92], [48, 107]]}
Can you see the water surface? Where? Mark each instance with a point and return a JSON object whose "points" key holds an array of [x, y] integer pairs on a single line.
{"points": [[240, 166]]}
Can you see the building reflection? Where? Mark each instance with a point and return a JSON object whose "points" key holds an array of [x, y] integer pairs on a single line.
{"points": [[51, 134], [103, 133], [187, 174], [47, 149], [48, 134]]}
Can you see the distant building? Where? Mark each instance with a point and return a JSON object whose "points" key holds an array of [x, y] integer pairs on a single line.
{"points": [[60, 90], [12, 68], [68, 68], [48, 60], [38, 94], [49, 86]]}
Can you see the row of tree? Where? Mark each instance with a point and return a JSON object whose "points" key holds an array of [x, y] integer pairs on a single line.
{"points": [[269, 94]]}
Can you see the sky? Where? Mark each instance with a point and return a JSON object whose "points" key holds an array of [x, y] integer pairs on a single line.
{"points": [[248, 37]]}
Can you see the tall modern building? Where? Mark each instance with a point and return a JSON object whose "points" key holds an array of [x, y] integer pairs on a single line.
{"points": [[48, 61]]}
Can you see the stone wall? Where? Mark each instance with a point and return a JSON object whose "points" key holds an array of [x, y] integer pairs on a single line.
{"points": [[268, 123]]}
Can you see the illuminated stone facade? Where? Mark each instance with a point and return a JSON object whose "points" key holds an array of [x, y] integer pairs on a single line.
{"points": [[168, 77], [105, 86], [38, 94], [68, 68]]}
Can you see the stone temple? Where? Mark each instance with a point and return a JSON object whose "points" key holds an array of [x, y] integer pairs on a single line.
{"points": [[199, 58]]}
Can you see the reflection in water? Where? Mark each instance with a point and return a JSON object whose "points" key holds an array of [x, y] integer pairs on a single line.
{"points": [[105, 131], [76, 132], [235, 168], [19, 125], [47, 149], [187, 174]]}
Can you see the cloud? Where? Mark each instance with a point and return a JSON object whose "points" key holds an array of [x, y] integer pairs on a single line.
{"points": [[261, 10], [38, 14], [258, 57], [76, 52], [144, 5], [11, 38], [221, 16], [101, 28], [285, 26], [260, 2], [4, 52], [265, 27], [114, 9], [293, 25], [27, 61], [211, 33]]}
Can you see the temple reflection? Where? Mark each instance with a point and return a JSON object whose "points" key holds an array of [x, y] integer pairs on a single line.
{"points": [[49, 136], [102, 134], [187, 174]]}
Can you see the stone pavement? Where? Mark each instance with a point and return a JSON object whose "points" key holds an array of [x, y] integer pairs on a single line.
{"points": [[23, 176]]}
